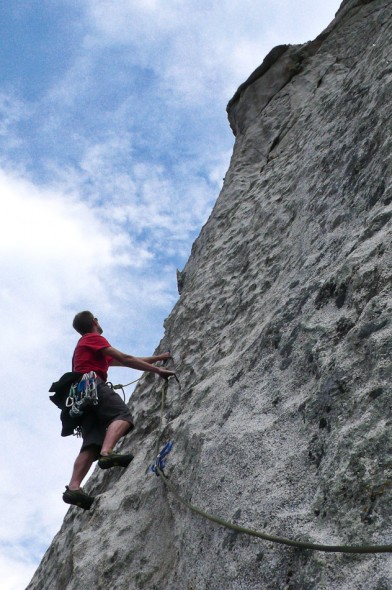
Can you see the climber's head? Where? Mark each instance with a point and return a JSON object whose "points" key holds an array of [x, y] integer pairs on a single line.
{"points": [[84, 322]]}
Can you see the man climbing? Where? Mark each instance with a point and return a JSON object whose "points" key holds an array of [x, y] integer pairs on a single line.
{"points": [[103, 424]]}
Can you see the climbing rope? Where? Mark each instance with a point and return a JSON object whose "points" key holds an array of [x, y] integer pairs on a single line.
{"points": [[158, 469], [274, 538], [120, 386], [163, 399], [126, 385]]}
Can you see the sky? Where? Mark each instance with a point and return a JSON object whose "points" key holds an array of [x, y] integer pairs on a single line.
{"points": [[114, 142]]}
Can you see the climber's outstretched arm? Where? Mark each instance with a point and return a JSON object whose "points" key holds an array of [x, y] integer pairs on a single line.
{"points": [[155, 359], [120, 359]]}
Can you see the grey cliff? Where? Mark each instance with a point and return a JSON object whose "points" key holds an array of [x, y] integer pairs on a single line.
{"points": [[282, 340]]}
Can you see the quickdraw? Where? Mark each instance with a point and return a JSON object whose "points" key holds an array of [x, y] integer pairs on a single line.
{"points": [[82, 394], [159, 464]]}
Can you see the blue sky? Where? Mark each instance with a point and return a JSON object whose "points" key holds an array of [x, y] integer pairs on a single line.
{"points": [[113, 146]]}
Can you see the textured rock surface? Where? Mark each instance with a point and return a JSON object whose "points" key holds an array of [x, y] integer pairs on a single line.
{"points": [[282, 339]]}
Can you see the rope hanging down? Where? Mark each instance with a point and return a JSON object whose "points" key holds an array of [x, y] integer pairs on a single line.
{"points": [[159, 465]]}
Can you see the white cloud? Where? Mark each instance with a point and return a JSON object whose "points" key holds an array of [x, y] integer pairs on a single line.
{"points": [[12, 112], [157, 204], [205, 49], [54, 247], [15, 572]]}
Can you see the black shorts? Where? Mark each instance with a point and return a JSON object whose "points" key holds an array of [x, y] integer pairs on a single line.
{"points": [[97, 418]]}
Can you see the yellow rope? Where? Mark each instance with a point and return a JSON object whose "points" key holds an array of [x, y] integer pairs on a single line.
{"points": [[251, 532], [273, 538]]}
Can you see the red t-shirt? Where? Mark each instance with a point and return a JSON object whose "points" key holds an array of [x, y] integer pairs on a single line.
{"points": [[88, 355]]}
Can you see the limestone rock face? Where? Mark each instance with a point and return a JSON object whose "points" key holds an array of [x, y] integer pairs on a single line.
{"points": [[282, 340]]}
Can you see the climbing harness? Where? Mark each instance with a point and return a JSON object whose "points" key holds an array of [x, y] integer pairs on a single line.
{"points": [[158, 469], [82, 394]]}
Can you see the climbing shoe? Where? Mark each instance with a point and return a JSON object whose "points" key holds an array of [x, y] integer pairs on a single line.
{"points": [[114, 460], [77, 498]]}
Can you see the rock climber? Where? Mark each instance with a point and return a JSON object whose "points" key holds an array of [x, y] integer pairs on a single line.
{"points": [[102, 425]]}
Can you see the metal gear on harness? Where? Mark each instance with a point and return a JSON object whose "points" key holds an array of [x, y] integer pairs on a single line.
{"points": [[82, 394]]}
